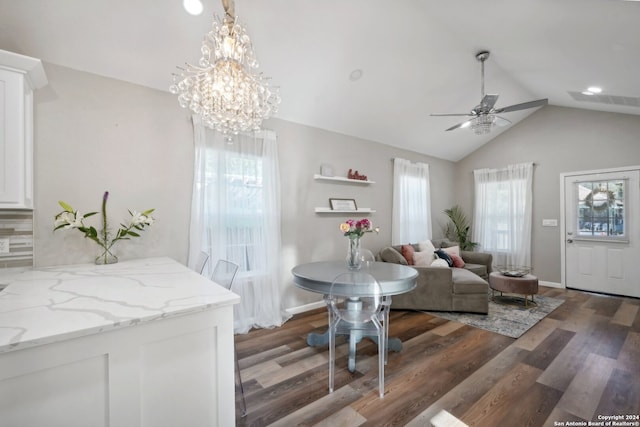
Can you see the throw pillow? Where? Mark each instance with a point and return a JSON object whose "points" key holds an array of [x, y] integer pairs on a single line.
{"points": [[407, 253], [440, 263], [457, 260], [389, 254], [452, 250], [423, 259], [426, 246], [445, 256]]}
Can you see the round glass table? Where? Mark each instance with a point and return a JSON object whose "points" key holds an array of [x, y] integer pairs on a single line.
{"points": [[317, 277]]}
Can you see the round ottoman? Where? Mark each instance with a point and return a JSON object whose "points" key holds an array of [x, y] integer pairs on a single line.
{"points": [[525, 285]]}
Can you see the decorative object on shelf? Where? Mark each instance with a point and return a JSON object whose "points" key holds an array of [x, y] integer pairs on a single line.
{"points": [[224, 90], [458, 228], [343, 204], [513, 270], [341, 179], [354, 230], [356, 175], [326, 170], [600, 199], [70, 219]]}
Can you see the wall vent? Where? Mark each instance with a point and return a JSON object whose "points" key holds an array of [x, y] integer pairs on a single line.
{"points": [[603, 98]]}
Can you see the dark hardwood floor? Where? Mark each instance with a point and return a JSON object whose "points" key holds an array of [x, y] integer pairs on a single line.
{"points": [[580, 363]]}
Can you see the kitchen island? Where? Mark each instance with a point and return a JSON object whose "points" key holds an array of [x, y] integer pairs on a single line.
{"points": [[138, 343]]}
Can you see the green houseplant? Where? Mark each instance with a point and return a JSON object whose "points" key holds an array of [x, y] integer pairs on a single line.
{"points": [[458, 228]]}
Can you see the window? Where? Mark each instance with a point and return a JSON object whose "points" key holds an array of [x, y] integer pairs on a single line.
{"points": [[235, 216], [243, 211], [411, 202], [601, 208], [502, 213]]}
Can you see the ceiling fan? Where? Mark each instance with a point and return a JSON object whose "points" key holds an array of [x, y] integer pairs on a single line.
{"points": [[484, 115]]}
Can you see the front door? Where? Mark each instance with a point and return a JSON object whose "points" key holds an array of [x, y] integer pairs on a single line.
{"points": [[602, 231]]}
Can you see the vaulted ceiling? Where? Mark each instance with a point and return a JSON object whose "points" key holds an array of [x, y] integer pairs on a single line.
{"points": [[416, 56]]}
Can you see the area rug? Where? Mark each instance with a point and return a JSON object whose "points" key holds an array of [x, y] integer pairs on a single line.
{"points": [[508, 317]]}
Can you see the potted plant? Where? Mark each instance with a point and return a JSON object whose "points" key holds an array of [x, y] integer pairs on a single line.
{"points": [[458, 228]]}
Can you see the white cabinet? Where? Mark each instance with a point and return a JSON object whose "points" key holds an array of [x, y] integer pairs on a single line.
{"points": [[140, 343], [19, 76]]}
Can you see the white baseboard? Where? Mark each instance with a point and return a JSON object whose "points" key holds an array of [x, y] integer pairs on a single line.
{"points": [[304, 308], [551, 284]]}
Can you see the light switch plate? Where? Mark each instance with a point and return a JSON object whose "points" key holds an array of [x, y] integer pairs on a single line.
{"points": [[4, 245], [549, 222]]}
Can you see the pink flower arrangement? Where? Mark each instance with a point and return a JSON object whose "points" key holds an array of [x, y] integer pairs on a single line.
{"points": [[353, 229]]}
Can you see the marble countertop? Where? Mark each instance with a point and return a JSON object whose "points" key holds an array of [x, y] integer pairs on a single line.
{"points": [[45, 305]]}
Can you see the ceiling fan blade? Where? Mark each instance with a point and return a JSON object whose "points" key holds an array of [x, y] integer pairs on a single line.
{"points": [[501, 121], [460, 125], [453, 114], [523, 106], [488, 101]]}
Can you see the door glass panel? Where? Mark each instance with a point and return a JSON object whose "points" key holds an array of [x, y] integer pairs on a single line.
{"points": [[600, 208]]}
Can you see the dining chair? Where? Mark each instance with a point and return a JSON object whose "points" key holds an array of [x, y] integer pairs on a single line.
{"points": [[223, 274], [355, 304], [367, 259], [203, 257]]}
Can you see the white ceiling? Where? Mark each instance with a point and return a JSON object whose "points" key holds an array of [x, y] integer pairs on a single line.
{"points": [[417, 56]]}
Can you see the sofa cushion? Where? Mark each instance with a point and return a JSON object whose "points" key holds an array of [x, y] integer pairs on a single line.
{"points": [[457, 260], [440, 263], [426, 246], [445, 256], [452, 250], [479, 269], [443, 243], [407, 253], [423, 259], [466, 282], [390, 254]]}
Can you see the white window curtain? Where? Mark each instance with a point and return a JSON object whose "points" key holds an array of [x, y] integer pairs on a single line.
{"points": [[235, 215], [502, 213], [411, 221]]}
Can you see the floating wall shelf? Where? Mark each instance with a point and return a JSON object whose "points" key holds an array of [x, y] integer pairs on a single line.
{"points": [[332, 211], [319, 177]]}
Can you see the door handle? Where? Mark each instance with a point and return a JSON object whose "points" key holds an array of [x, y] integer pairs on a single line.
{"points": [[569, 240]]}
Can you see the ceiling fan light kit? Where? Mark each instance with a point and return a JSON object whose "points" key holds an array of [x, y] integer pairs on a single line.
{"points": [[223, 89], [484, 115]]}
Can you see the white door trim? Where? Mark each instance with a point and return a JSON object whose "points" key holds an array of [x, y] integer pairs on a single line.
{"points": [[563, 235]]}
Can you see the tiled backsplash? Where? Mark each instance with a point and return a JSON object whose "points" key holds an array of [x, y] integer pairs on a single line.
{"points": [[16, 227]]}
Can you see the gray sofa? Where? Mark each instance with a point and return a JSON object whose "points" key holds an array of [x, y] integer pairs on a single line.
{"points": [[442, 288]]}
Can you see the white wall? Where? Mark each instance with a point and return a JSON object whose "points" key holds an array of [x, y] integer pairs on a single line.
{"points": [[557, 140], [94, 134], [307, 236]]}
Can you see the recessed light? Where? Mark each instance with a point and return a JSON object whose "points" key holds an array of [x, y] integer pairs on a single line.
{"points": [[594, 89], [586, 92], [193, 7]]}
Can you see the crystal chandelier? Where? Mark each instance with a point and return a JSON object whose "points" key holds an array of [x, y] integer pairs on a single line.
{"points": [[225, 91], [482, 124]]}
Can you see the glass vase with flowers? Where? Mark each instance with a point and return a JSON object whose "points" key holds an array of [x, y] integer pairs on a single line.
{"points": [[354, 230], [70, 219]]}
